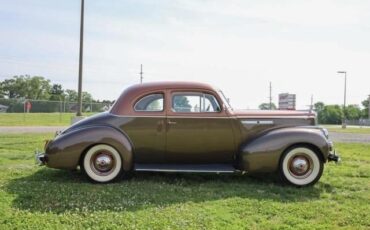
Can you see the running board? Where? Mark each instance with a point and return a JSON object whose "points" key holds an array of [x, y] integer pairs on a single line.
{"points": [[188, 168]]}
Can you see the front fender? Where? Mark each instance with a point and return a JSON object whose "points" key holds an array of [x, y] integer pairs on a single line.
{"points": [[64, 151], [263, 153]]}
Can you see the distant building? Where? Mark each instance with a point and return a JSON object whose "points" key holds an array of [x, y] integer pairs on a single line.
{"points": [[286, 101]]}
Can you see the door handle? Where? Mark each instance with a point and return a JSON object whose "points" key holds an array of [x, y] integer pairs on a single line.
{"points": [[171, 122]]}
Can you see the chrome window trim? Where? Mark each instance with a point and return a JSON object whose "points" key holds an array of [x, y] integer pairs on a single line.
{"points": [[141, 98], [201, 96]]}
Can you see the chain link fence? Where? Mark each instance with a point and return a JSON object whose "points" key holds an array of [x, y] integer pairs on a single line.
{"points": [[44, 106], [360, 122]]}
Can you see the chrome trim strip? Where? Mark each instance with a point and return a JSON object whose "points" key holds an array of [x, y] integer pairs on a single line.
{"points": [[230, 117], [184, 170], [249, 122], [266, 122], [161, 116], [273, 117]]}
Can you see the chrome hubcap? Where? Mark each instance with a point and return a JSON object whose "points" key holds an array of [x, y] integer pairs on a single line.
{"points": [[300, 166], [102, 162]]}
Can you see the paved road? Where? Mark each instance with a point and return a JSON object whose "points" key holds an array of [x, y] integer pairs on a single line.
{"points": [[30, 129], [350, 137], [334, 136]]}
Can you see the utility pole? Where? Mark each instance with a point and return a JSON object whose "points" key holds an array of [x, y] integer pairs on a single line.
{"points": [[79, 111], [311, 106], [141, 74], [345, 97], [270, 97]]}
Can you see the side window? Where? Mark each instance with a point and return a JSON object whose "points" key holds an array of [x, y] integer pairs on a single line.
{"points": [[150, 103], [194, 103]]}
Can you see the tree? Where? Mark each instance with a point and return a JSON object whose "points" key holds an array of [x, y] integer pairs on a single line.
{"points": [[72, 96], [2, 93], [56, 93], [331, 114], [182, 103], [266, 106], [318, 106], [365, 111], [35, 87], [353, 112]]}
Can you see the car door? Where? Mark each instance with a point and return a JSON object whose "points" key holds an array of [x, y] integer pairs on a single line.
{"points": [[146, 128], [199, 131]]}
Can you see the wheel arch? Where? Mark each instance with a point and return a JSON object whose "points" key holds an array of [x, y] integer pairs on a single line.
{"points": [[263, 153], [311, 146], [67, 150]]}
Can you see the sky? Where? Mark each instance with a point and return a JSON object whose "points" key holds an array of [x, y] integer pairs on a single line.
{"points": [[238, 46]]}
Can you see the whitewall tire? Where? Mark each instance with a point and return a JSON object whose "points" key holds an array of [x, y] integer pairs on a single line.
{"points": [[102, 163], [301, 166]]}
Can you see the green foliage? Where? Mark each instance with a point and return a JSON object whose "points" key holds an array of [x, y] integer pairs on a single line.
{"points": [[72, 95], [266, 106], [319, 106], [2, 92], [353, 112], [38, 88], [25, 86], [365, 111], [33, 197], [182, 102], [57, 93], [331, 114]]}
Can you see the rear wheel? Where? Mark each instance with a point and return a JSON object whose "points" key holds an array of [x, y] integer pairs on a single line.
{"points": [[102, 163], [301, 166]]}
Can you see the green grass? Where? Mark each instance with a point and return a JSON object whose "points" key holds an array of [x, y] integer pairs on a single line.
{"points": [[33, 197], [36, 119], [351, 130]]}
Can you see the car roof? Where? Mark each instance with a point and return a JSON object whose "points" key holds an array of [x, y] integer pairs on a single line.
{"points": [[131, 93]]}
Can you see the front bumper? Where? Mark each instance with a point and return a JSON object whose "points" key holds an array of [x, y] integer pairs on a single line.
{"points": [[333, 155], [40, 158]]}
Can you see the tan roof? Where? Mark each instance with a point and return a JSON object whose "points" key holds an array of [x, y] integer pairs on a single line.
{"points": [[130, 94]]}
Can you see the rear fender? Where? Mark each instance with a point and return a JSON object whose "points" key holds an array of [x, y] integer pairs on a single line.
{"points": [[263, 153], [66, 150]]}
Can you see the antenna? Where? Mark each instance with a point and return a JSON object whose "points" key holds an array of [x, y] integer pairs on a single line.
{"points": [[141, 73]]}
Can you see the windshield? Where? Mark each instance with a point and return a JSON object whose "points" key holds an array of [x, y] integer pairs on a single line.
{"points": [[225, 100]]}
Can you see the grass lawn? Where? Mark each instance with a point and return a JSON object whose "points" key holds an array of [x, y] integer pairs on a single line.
{"points": [[350, 129], [36, 119], [33, 197]]}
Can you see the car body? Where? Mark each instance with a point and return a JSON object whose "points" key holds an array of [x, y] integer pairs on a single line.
{"points": [[190, 127]]}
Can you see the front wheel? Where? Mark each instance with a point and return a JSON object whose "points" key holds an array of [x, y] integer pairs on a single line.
{"points": [[102, 163], [301, 166]]}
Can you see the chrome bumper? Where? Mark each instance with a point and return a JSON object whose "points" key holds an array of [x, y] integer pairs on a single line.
{"points": [[333, 156], [40, 158]]}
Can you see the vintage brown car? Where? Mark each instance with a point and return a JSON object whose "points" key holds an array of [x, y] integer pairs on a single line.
{"points": [[190, 127]]}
